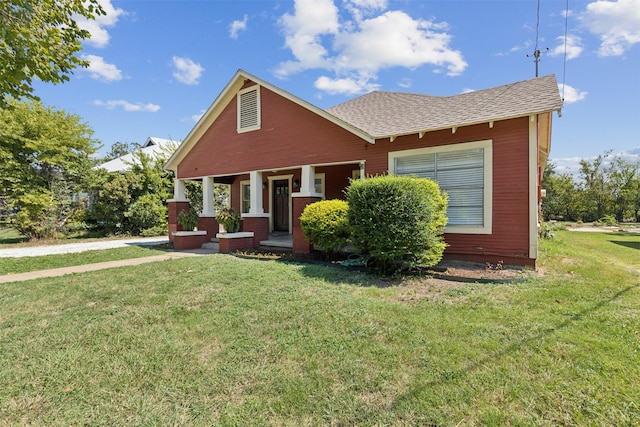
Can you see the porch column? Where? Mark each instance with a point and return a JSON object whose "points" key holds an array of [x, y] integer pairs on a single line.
{"points": [[207, 197], [207, 220], [256, 220], [307, 182], [362, 170], [300, 201], [176, 205], [178, 190], [256, 207]]}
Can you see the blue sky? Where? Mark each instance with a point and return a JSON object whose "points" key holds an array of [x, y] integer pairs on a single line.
{"points": [[156, 66]]}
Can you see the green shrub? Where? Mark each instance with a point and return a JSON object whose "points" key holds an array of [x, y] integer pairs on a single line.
{"points": [[325, 224], [36, 218], [146, 212], [398, 221], [606, 220], [158, 230]]}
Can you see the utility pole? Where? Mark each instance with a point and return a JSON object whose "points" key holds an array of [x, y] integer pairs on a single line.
{"points": [[536, 58]]}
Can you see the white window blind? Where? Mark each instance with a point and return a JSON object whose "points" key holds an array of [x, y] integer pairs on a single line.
{"points": [[459, 173]]}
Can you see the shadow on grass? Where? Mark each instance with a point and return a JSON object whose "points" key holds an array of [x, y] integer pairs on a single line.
{"points": [[632, 245], [13, 240], [490, 358], [337, 274]]}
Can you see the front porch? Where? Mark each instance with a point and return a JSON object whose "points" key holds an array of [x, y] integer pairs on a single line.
{"points": [[270, 202]]}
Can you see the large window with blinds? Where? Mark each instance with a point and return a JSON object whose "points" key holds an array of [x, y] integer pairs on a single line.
{"points": [[464, 172], [249, 109]]}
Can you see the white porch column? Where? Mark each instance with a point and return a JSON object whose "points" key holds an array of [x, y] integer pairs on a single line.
{"points": [[308, 181], [255, 178], [361, 170], [178, 190], [207, 197]]}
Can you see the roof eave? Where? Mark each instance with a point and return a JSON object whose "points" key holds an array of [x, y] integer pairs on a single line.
{"points": [[393, 136]]}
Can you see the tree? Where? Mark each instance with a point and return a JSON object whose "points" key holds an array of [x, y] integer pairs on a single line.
{"points": [[39, 39], [562, 200], [119, 149], [596, 191], [46, 160], [624, 179], [133, 202]]}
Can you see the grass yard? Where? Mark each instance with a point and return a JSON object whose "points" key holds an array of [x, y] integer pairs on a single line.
{"points": [[218, 340], [25, 264], [9, 236]]}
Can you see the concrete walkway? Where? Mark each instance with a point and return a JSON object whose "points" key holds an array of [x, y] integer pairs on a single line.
{"points": [[68, 248], [87, 246]]}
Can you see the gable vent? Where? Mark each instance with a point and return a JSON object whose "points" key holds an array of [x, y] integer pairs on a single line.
{"points": [[248, 110]]}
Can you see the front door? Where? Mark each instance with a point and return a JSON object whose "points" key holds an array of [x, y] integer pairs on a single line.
{"points": [[281, 205]]}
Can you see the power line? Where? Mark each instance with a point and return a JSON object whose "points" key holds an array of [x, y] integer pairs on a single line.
{"points": [[536, 51], [564, 61]]}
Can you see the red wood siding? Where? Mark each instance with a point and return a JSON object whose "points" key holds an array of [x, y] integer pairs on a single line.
{"points": [[291, 136]]}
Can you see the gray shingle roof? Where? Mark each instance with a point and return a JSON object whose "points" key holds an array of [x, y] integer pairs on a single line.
{"points": [[385, 114]]}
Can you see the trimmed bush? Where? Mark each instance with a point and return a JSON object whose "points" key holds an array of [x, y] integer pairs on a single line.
{"points": [[398, 221], [146, 212], [325, 225]]}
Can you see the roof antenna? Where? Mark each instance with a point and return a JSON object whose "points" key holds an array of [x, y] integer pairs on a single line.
{"points": [[536, 51]]}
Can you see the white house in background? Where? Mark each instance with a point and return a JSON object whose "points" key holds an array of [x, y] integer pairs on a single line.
{"points": [[152, 147]]}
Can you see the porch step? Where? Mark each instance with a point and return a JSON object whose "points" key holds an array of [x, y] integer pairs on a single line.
{"points": [[277, 243], [211, 245]]}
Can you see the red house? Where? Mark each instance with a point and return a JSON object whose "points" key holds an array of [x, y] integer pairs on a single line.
{"points": [[486, 149]]}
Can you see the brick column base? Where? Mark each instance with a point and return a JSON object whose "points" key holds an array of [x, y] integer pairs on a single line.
{"points": [[210, 225], [230, 242], [174, 208], [259, 225], [300, 244]]}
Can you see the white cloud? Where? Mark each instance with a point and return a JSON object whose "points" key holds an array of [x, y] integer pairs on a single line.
{"points": [[617, 23], [237, 26], [100, 70], [357, 49], [467, 90], [574, 48], [347, 86], [97, 27], [126, 105], [567, 165], [196, 117], [571, 94], [405, 83], [186, 71], [303, 30]]}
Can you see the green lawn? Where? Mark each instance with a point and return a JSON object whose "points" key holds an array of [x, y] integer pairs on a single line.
{"points": [[22, 265], [217, 340], [10, 236]]}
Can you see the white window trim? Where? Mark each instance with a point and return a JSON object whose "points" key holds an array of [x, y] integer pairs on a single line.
{"points": [[487, 202], [243, 183], [259, 112]]}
